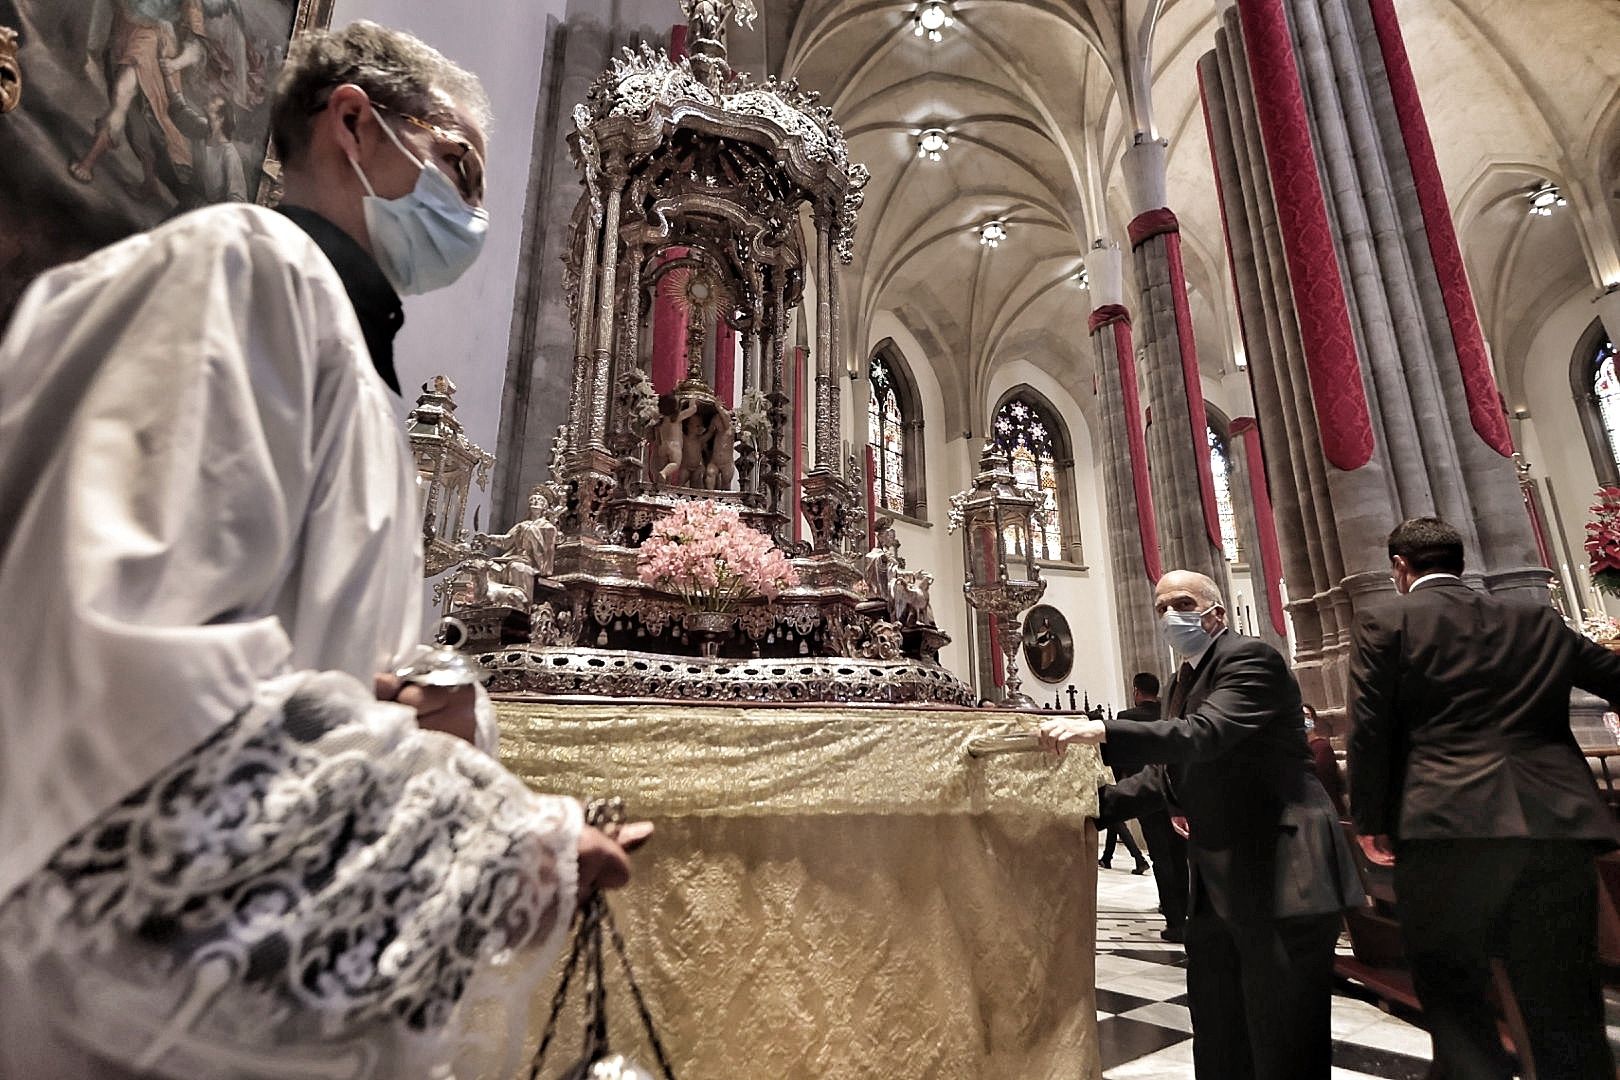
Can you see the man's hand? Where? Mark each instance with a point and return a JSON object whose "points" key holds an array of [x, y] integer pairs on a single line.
{"points": [[1059, 732], [449, 709], [1378, 849], [604, 862], [1179, 824]]}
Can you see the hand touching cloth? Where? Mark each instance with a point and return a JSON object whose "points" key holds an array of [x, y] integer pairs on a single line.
{"points": [[1060, 732]]}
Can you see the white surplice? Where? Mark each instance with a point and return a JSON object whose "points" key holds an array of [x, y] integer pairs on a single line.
{"points": [[219, 854]]}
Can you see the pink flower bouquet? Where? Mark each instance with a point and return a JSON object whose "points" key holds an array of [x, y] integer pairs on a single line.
{"points": [[1603, 542], [704, 552]]}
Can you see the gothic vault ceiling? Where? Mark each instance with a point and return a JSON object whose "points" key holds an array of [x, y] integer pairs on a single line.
{"points": [[1030, 95]]}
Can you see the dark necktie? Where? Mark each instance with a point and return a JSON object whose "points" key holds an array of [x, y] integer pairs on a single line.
{"points": [[1178, 693]]}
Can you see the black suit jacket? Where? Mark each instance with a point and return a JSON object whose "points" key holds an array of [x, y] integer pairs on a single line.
{"points": [[1265, 841], [1460, 707], [1123, 768]]}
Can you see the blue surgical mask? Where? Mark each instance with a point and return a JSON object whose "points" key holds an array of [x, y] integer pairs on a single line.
{"points": [[428, 238], [1184, 631]]}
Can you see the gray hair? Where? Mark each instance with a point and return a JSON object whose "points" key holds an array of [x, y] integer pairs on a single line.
{"points": [[1200, 585], [395, 69]]}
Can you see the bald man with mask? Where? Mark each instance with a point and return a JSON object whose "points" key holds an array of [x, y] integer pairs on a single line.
{"points": [[1269, 870]]}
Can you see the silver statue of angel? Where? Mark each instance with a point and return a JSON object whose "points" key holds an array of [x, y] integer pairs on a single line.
{"points": [[708, 17]]}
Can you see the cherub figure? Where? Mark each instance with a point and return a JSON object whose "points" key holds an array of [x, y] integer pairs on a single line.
{"points": [[708, 17], [695, 443], [720, 469], [669, 438]]}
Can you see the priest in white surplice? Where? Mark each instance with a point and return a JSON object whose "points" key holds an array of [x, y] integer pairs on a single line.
{"points": [[222, 853]]}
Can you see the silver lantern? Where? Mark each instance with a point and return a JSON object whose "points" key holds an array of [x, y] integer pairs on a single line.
{"points": [[999, 519]]}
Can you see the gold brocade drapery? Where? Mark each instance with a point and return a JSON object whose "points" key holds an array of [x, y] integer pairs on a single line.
{"points": [[837, 892]]}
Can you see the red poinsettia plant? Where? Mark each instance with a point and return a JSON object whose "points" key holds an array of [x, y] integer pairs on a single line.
{"points": [[1603, 542]]}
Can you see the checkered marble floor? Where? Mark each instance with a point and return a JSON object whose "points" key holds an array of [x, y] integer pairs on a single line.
{"points": [[1142, 1021]]}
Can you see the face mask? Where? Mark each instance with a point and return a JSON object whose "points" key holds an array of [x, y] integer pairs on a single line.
{"points": [[427, 239], [1183, 631]]}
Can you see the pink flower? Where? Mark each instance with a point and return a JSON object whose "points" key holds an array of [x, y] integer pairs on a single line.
{"points": [[705, 552]]}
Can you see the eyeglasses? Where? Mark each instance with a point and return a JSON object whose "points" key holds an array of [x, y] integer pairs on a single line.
{"points": [[466, 167]]}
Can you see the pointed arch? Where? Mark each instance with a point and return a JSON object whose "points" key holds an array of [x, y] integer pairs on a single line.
{"points": [[1040, 452], [894, 432], [1594, 376]]}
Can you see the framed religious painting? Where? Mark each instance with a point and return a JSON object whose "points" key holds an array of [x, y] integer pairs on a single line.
{"points": [[130, 112], [1048, 644]]}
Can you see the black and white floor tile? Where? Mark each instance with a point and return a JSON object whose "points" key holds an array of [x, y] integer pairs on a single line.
{"points": [[1145, 1030], [1142, 1020]]}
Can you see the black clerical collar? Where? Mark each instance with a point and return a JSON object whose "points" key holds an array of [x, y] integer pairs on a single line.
{"points": [[376, 304]]}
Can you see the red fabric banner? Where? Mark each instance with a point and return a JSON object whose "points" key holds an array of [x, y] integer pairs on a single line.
{"points": [[1196, 413], [1313, 263], [1108, 313], [1145, 226], [1220, 200], [677, 42], [1136, 441], [1265, 519], [669, 334], [1479, 381]]}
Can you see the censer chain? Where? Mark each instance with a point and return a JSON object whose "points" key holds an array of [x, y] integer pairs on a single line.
{"points": [[591, 918]]}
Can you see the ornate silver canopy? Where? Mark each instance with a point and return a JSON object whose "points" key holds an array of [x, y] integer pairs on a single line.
{"points": [[721, 204]]}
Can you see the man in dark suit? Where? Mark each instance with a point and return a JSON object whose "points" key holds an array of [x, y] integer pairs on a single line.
{"points": [[1463, 772], [1167, 847], [1270, 870]]}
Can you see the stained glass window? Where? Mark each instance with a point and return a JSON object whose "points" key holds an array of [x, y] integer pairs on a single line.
{"points": [[1024, 434], [1606, 389], [1220, 467], [886, 432]]}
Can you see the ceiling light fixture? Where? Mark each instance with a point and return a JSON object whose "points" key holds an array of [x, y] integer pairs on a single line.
{"points": [[932, 143], [992, 233], [1545, 198], [930, 18]]}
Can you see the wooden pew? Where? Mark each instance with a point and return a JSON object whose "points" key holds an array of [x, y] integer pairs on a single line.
{"points": [[1378, 962]]}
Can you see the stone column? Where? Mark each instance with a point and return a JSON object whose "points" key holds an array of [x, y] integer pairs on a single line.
{"points": [[1508, 554], [1133, 546], [1251, 498], [1307, 530], [1371, 380], [542, 343], [1178, 446]]}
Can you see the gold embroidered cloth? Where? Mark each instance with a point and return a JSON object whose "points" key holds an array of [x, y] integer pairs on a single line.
{"points": [[837, 893]]}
